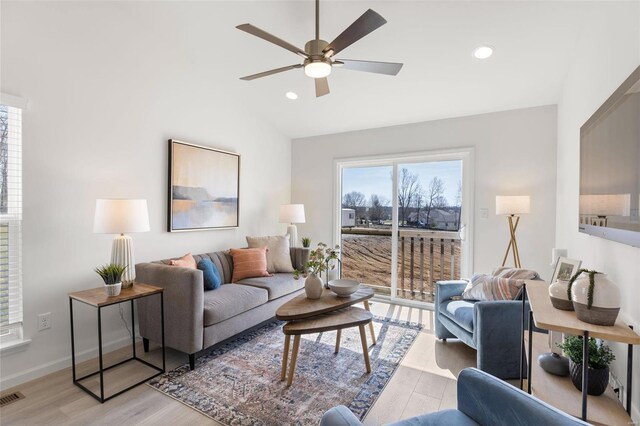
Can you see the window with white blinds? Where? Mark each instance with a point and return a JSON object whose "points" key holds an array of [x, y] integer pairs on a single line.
{"points": [[10, 222]]}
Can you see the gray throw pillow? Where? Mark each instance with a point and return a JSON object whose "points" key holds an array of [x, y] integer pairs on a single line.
{"points": [[278, 255]]}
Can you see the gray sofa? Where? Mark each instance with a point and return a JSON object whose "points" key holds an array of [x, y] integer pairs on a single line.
{"points": [[196, 319]]}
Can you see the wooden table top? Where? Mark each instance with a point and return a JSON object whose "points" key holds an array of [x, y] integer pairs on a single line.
{"points": [[300, 307], [547, 317], [98, 297], [334, 320]]}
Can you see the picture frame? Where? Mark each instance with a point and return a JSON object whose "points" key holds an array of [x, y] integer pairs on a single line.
{"points": [[565, 268], [203, 188]]}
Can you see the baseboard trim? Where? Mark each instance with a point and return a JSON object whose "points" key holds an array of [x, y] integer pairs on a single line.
{"points": [[60, 364]]}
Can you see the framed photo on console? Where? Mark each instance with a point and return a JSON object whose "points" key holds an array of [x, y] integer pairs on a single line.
{"points": [[565, 269], [204, 188]]}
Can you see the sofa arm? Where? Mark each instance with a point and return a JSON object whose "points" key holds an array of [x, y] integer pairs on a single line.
{"points": [[445, 290], [497, 336], [490, 401], [183, 306], [299, 257], [339, 416]]}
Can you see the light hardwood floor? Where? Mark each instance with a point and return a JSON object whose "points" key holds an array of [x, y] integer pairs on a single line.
{"points": [[424, 382]]}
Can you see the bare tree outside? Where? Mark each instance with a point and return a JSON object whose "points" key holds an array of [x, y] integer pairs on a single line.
{"points": [[377, 208], [435, 196], [355, 200], [408, 188]]}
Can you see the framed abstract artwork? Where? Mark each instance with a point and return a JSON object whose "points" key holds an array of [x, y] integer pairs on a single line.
{"points": [[204, 188]]}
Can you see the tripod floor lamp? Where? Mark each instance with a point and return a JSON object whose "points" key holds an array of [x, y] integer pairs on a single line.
{"points": [[512, 206]]}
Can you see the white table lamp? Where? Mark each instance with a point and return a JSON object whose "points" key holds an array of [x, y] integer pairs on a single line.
{"points": [[513, 206], [292, 214], [122, 217]]}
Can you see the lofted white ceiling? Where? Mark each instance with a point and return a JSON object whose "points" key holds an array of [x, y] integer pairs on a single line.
{"points": [[533, 44]]}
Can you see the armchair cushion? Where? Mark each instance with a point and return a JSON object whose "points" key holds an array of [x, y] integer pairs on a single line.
{"points": [[440, 418], [231, 300], [460, 311]]}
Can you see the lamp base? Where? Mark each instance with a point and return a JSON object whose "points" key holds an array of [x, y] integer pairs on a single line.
{"points": [[122, 254], [292, 230]]}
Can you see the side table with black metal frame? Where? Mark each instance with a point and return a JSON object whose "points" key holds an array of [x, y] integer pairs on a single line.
{"points": [[97, 298]]}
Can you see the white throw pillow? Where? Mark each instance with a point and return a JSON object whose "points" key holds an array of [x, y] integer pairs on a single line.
{"points": [[278, 256]]}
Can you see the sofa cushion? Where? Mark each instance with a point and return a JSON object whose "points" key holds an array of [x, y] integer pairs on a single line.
{"points": [[249, 263], [210, 274], [459, 311], [186, 261], [278, 285], [223, 262], [440, 418], [278, 255], [231, 300]]}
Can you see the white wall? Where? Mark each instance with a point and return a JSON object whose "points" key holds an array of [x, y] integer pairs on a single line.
{"points": [[605, 56], [515, 153], [108, 84]]}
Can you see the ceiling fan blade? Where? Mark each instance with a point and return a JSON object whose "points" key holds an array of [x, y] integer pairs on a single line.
{"points": [[266, 73], [368, 22], [322, 86], [389, 68], [248, 28]]}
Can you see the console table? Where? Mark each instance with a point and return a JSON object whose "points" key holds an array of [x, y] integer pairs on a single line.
{"points": [[97, 298], [546, 317]]}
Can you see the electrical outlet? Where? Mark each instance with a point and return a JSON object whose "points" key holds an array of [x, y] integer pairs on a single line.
{"points": [[484, 213], [44, 321]]}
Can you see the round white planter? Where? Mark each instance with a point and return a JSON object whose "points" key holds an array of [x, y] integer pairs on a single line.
{"points": [[313, 287], [606, 300], [558, 293], [113, 289]]}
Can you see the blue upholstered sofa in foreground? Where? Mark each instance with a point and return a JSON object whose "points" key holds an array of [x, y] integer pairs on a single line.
{"points": [[482, 400], [493, 328]]}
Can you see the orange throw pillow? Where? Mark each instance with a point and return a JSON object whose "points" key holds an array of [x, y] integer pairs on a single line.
{"points": [[249, 263], [186, 261]]}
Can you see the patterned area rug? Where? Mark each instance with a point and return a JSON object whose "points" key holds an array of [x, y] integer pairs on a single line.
{"points": [[239, 382]]}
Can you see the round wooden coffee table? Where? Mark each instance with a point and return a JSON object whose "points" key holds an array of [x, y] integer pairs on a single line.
{"points": [[329, 313]]}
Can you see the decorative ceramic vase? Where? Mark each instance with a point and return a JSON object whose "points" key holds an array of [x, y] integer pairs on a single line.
{"points": [[113, 289], [559, 295], [313, 287], [596, 382], [606, 300], [554, 363]]}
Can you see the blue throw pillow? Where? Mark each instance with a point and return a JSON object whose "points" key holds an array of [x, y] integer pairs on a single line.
{"points": [[210, 274]]}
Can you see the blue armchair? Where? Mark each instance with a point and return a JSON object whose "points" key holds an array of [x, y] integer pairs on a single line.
{"points": [[482, 400], [493, 328]]}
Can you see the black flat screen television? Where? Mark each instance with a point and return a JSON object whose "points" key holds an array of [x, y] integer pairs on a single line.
{"points": [[610, 167]]}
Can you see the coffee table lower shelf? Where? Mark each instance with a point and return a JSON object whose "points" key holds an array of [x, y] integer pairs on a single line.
{"points": [[560, 392]]}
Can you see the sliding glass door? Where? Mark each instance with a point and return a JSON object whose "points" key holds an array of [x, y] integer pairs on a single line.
{"points": [[402, 222]]}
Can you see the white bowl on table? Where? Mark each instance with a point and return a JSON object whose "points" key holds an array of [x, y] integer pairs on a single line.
{"points": [[344, 288]]}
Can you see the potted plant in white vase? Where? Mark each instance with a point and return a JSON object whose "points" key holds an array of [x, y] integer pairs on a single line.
{"points": [[600, 356], [111, 274], [317, 263]]}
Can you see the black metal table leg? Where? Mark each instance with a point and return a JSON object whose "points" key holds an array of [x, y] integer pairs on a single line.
{"points": [[73, 346], [629, 374], [524, 297], [133, 329], [585, 372], [529, 360], [164, 367], [100, 354]]}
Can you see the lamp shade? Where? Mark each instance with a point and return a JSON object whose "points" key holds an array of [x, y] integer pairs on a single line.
{"points": [[512, 204], [120, 216], [605, 205], [292, 213]]}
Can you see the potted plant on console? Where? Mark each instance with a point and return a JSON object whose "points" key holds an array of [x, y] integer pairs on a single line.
{"points": [[317, 263], [112, 276], [600, 356]]}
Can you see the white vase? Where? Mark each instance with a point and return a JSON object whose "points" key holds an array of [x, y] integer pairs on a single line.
{"points": [[313, 287], [560, 296], [113, 289], [606, 300]]}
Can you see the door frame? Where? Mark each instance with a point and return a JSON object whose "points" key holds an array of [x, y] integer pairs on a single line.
{"points": [[466, 154]]}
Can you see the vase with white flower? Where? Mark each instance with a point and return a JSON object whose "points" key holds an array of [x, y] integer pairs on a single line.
{"points": [[318, 262]]}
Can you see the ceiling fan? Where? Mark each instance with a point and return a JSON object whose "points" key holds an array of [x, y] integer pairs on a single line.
{"points": [[319, 55]]}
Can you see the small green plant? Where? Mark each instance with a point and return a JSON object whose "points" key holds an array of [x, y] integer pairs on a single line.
{"points": [[600, 355], [592, 282], [306, 242], [319, 260], [111, 273]]}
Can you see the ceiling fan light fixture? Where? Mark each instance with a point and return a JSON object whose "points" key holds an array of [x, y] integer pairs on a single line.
{"points": [[317, 69], [483, 52]]}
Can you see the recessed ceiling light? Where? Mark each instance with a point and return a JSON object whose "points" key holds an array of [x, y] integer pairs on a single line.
{"points": [[483, 52], [291, 95]]}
